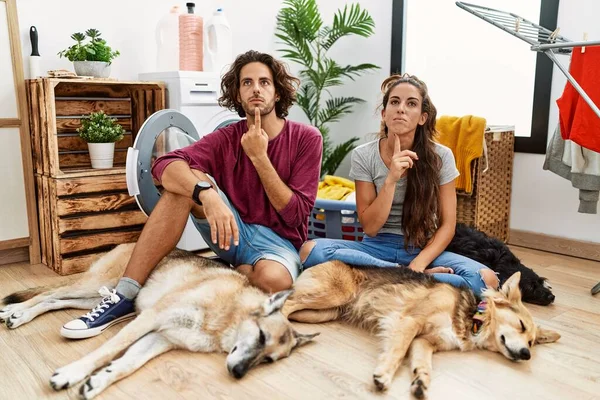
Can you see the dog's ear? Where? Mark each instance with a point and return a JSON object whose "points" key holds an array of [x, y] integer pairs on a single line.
{"points": [[302, 339], [510, 289], [275, 302], [545, 335]]}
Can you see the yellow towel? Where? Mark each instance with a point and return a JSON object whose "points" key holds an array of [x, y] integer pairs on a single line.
{"points": [[464, 136], [335, 188]]}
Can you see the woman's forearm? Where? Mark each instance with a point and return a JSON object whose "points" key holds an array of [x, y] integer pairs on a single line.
{"points": [[434, 247], [377, 213]]}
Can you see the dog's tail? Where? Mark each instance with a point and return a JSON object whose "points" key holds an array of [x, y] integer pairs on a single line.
{"points": [[23, 295]]}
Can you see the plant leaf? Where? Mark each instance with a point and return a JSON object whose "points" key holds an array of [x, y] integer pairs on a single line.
{"points": [[352, 71], [337, 107], [335, 158], [78, 37], [297, 26], [306, 99], [347, 22]]}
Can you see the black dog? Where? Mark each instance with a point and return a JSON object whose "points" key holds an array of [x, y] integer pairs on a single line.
{"points": [[495, 254]]}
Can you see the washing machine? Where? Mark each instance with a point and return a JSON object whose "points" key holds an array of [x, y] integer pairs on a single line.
{"points": [[192, 112]]}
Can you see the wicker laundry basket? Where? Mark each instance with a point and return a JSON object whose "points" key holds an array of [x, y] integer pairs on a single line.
{"points": [[487, 208]]}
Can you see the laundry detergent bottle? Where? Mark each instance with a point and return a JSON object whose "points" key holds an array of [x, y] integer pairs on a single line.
{"points": [[219, 44], [191, 40], [167, 41]]}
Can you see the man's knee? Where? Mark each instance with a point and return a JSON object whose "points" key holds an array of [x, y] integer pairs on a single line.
{"points": [[271, 276], [489, 277]]}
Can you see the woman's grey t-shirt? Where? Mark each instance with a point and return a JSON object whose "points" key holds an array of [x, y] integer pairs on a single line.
{"points": [[367, 165]]}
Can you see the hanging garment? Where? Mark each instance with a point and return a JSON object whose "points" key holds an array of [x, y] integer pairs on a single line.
{"points": [[578, 122], [464, 136], [578, 165]]}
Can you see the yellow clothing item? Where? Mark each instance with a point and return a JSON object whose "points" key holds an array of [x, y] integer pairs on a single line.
{"points": [[335, 188], [464, 136]]}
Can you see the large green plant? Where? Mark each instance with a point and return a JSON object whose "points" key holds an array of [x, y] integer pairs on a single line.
{"points": [[95, 50], [307, 41], [100, 128]]}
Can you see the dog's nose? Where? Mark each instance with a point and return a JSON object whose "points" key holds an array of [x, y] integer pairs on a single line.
{"points": [[551, 297], [524, 354], [238, 371]]}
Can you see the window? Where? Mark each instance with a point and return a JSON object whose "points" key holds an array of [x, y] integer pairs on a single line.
{"points": [[472, 67]]}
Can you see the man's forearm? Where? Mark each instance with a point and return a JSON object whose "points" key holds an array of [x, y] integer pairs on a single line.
{"points": [[179, 178], [278, 192]]}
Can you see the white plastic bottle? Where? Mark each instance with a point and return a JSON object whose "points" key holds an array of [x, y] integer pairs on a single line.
{"points": [[167, 41], [219, 45]]}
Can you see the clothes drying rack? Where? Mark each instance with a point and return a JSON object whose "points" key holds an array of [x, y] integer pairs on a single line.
{"points": [[541, 40]]}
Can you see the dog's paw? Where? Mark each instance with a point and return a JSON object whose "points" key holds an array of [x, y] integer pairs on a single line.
{"points": [[6, 312], [17, 319], [418, 389], [382, 382], [89, 389], [96, 384], [67, 376]]}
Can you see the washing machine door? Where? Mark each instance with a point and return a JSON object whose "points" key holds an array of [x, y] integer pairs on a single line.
{"points": [[162, 132]]}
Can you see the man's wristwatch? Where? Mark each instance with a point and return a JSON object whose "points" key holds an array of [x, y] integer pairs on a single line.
{"points": [[200, 186]]}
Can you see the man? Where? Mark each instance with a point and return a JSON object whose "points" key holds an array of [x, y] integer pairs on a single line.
{"points": [[250, 187]]}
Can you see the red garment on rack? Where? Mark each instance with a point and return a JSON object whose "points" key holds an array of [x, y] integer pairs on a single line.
{"points": [[578, 122]]}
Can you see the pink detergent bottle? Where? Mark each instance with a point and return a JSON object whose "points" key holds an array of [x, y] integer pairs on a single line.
{"points": [[191, 32]]}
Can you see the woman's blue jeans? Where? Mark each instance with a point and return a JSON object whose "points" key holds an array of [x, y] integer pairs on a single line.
{"points": [[387, 250]]}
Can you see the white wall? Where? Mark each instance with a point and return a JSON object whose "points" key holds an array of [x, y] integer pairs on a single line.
{"points": [[542, 201], [129, 26]]}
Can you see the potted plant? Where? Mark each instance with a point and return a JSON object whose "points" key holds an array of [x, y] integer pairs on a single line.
{"points": [[90, 59], [307, 41], [101, 132]]}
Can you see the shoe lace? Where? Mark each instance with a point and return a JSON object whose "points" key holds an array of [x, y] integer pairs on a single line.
{"points": [[109, 297]]}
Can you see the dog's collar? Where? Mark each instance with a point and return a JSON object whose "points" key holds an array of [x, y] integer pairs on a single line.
{"points": [[478, 317]]}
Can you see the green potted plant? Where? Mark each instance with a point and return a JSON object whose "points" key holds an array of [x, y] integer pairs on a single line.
{"points": [[307, 41], [101, 132], [90, 59]]}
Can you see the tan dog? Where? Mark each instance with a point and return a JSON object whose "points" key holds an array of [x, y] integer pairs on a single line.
{"points": [[188, 302], [412, 311]]}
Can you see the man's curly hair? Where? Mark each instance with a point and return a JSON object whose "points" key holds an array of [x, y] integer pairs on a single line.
{"points": [[285, 84]]}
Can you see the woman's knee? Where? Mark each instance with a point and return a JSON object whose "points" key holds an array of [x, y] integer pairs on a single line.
{"points": [[315, 252], [306, 249], [489, 277]]}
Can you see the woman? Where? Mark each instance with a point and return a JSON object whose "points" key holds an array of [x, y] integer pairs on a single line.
{"points": [[405, 196]]}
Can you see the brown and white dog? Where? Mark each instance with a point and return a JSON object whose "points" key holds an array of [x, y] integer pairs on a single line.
{"points": [[411, 312], [188, 302]]}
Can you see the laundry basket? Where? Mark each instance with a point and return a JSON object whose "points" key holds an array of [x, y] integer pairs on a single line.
{"points": [[487, 208], [334, 219]]}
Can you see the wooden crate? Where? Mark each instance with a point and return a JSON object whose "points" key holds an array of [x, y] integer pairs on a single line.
{"points": [[57, 106], [487, 208], [82, 216]]}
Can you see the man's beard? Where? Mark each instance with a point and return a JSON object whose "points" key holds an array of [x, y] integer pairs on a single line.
{"points": [[265, 108]]}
